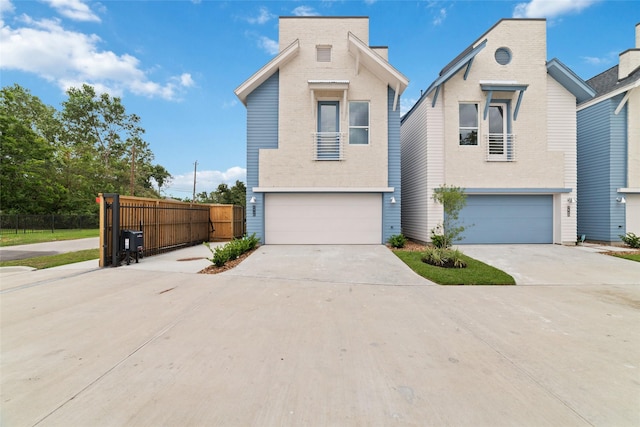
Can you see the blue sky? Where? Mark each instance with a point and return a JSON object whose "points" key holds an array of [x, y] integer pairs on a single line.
{"points": [[177, 63]]}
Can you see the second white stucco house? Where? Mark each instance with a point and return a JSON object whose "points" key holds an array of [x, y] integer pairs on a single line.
{"points": [[323, 137], [500, 122]]}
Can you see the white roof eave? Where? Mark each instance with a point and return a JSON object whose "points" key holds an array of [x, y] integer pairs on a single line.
{"points": [[286, 55]]}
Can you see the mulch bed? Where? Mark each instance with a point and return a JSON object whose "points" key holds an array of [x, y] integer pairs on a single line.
{"points": [[212, 269]]}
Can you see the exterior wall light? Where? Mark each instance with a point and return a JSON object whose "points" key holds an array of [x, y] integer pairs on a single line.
{"points": [[393, 200], [253, 199], [572, 200], [621, 200]]}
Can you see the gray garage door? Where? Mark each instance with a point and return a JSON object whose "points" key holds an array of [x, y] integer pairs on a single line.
{"points": [[508, 219]]}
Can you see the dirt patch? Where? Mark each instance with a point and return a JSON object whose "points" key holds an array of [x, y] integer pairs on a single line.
{"points": [[631, 252], [192, 259], [411, 247], [212, 269]]}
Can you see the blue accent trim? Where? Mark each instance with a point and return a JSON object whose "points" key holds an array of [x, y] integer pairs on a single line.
{"points": [[515, 112], [487, 104], [262, 132], [446, 75], [506, 190], [468, 70], [391, 212], [435, 97], [567, 78], [497, 87]]}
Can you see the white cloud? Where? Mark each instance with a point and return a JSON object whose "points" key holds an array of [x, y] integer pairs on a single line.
{"points": [[6, 6], [406, 104], [74, 9], [206, 180], [70, 58], [304, 11], [186, 80], [268, 45], [550, 8], [440, 16], [263, 17]]}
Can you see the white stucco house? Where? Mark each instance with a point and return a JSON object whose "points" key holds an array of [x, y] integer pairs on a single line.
{"points": [[323, 137], [609, 151], [500, 122]]}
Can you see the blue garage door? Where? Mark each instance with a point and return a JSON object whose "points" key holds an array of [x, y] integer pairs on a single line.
{"points": [[508, 219]]}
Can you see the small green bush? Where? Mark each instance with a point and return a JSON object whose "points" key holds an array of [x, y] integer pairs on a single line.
{"points": [[397, 241], [442, 257], [232, 250], [631, 240], [437, 240]]}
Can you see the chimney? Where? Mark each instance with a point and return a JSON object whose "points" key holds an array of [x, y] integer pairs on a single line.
{"points": [[630, 59]]}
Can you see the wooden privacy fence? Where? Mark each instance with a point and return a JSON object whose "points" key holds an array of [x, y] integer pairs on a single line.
{"points": [[165, 224]]}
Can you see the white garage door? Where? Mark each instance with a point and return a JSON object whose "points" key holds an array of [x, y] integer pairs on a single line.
{"points": [[319, 218]]}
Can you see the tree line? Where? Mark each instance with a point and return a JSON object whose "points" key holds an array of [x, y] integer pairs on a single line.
{"points": [[57, 161]]}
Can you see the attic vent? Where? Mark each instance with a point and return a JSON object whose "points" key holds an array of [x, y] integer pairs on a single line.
{"points": [[503, 55], [323, 53]]}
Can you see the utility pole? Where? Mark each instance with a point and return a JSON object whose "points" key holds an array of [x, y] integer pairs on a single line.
{"points": [[195, 168]]}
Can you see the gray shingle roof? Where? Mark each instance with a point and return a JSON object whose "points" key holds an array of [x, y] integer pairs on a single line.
{"points": [[607, 81]]}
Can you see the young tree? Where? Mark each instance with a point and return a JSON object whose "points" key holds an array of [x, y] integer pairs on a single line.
{"points": [[452, 199]]}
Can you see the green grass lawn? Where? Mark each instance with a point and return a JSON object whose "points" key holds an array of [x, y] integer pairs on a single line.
{"points": [[476, 272], [49, 261], [11, 238], [629, 255]]}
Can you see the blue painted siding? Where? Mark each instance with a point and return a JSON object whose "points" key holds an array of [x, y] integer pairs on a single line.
{"points": [[507, 219], [262, 132], [391, 212], [602, 153]]}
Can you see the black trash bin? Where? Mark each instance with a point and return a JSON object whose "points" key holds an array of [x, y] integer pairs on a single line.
{"points": [[131, 245]]}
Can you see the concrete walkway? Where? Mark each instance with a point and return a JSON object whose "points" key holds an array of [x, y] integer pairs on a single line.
{"points": [[10, 253], [258, 346]]}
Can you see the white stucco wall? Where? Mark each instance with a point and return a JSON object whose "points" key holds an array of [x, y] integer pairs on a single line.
{"points": [[293, 164]]}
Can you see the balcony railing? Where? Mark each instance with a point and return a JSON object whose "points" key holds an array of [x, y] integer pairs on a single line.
{"points": [[501, 147], [328, 145]]}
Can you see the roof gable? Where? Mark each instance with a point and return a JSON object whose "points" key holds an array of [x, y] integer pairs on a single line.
{"points": [[267, 71], [570, 81]]}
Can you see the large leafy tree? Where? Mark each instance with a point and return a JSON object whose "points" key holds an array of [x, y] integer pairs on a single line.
{"points": [[235, 195], [57, 161], [107, 141], [29, 138]]}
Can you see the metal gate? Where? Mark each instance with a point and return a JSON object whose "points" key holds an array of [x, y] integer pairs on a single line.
{"points": [[166, 225]]}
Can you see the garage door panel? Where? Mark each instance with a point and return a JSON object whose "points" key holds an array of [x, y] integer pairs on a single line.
{"points": [[508, 219], [318, 218]]}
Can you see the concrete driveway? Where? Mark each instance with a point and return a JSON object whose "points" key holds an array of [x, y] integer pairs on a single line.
{"points": [[279, 342], [557, 265]]}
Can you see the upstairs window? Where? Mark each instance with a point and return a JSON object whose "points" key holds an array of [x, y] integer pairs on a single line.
{"points": [[358, 122], [323, 53], [468, 124]]}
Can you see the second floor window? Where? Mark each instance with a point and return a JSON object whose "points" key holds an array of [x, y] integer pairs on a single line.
{"points": [[468, 124], [359, 122]]}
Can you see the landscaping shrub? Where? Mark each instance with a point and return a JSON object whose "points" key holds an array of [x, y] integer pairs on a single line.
{"points": [[631, 240], [232, 250], [397, 241], [442, 257]]}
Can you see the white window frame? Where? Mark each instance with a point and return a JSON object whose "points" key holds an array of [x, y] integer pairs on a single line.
{"points": [[469, 128], [367, 127]]}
